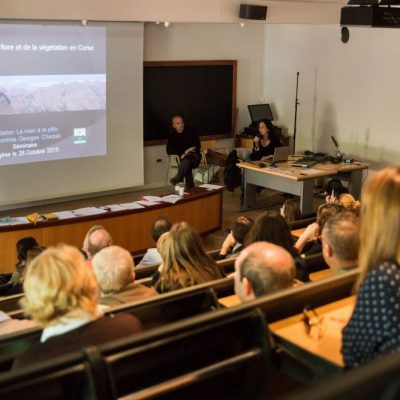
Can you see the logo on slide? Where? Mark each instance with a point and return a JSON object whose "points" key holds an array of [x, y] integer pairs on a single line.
{"points": [[79, 135]]}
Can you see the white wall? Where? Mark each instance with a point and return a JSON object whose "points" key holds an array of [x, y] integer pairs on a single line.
{"points": [[208, 42], [301, 12], [348, 90]]}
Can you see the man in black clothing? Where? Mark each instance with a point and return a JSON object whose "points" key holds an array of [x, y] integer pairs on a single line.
{"points": [[184, 143]]}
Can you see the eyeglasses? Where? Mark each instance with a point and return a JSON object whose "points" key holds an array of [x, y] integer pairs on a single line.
{"points": [[314, 323]]}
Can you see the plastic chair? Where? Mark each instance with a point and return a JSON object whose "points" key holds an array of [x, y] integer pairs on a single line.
{"points": [[173, 162]]}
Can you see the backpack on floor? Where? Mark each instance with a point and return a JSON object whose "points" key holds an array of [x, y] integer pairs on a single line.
{"points": [[232, 174]]}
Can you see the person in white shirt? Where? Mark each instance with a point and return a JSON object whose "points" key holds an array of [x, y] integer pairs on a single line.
{"points": [[152, 257]]}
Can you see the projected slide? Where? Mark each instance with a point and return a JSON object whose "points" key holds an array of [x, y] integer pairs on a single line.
{"points": [[52, 92]]}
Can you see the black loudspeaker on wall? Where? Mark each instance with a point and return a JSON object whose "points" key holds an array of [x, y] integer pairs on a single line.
{"points": [[250, 11]]}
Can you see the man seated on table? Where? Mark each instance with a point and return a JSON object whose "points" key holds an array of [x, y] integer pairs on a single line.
{"points": [[184, 143], [97, 238], [341, 241], [263, 268], [113, 267]]}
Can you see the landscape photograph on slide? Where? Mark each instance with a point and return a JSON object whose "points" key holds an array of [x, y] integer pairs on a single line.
{"points": [[52, 93]]}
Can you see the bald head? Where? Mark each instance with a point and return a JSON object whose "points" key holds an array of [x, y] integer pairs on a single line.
{"points": [[263, 268], [96, 239], [178, 124]]}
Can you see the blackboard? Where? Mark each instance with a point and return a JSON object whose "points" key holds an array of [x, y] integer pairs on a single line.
{"points": [[202, 92]]}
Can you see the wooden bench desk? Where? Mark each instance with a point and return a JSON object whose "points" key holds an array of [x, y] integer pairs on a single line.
{"points": [[335, 317]]}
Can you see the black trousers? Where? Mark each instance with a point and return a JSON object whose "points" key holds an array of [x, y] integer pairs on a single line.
{"points": [[185, 169]]}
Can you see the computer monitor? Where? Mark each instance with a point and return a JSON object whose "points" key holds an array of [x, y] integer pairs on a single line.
{"points": [[260, 111]]}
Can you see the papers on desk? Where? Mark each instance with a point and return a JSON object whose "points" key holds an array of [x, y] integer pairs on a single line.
{"points": [[65, 214], [86, 211], [115, 207], [8, 221], [172, 198], [279, 170], [152, 198], [129, 206], [209, 186], [148, 203], [310, 171]]}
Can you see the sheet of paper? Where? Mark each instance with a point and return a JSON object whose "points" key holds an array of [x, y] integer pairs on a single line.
{"points": [[152, 198], [65, 214], [19, 221], [148, 203], [85, 211], [115, 207], [309, 171], [131, 206], [5, 221], [210, 186], [172, 198], [279, 170]]}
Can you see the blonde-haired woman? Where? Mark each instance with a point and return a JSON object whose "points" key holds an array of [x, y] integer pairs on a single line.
{"points": [[61, 294], [350, 203], [374, 328], [185, 262]]}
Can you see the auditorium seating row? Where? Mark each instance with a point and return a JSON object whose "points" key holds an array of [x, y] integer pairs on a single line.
{"points": [[191, 347]]}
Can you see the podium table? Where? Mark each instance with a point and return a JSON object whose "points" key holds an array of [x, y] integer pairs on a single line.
{"points": [[201, 208], [297, 181]]}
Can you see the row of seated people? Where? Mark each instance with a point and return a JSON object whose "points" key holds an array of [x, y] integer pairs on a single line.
{"points": [[151, 356], [363, 340]]}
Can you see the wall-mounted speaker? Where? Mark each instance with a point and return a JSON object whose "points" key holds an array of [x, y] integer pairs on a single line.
{"points": [[250, 11]]}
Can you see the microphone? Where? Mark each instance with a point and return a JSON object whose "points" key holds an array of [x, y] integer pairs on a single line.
{"points": [[338, 153]]}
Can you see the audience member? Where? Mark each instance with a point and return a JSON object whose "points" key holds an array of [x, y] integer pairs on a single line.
{"points": [[17, 287], [341, 241], [290, 210], [184, 143], [113, 267], [96, 239], [235, 240], [271, 227], [374, 328], [309, 241], [152, 256], [334, 189], [350, 203], [23, 246], [185, 262], [61, 294], [263, 268]]}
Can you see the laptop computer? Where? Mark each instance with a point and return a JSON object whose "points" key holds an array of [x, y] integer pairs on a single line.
{"points": [[281, 154]]}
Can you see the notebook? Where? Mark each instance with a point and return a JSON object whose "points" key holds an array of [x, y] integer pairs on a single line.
{"points": [[304, 163]]}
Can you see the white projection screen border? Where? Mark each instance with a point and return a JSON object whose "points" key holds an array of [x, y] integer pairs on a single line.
{"points": [[71, 110]]}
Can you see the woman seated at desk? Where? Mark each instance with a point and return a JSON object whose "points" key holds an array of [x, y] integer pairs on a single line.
{"points": [[265, 142]]}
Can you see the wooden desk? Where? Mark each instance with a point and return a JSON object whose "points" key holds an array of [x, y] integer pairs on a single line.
{"points": [[130, 229], [335, 317], [297, 181], [297, 232], [325, 273], [230, 301]]}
